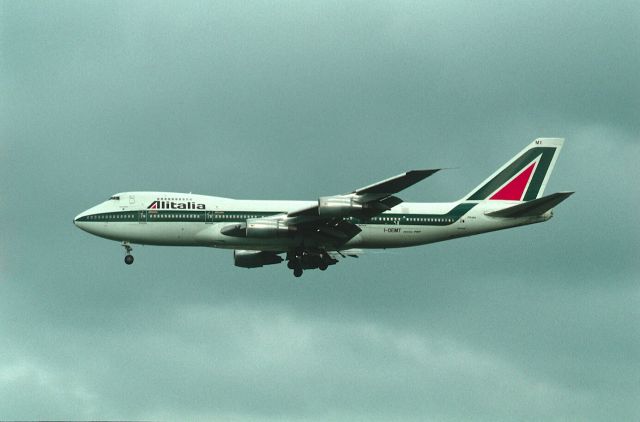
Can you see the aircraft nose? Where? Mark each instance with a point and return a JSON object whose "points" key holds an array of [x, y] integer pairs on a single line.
{"points": [[78, 218]]}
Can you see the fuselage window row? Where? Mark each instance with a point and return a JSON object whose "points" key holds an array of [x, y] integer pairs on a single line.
{"points": [[193, 216]]}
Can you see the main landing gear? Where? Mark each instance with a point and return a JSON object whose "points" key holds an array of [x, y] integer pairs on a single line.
{"points": [[301, 260], [295, 264], [129, 258]]}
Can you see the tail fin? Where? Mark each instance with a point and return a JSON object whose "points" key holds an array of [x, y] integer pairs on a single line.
{"points": [[524, 177]]}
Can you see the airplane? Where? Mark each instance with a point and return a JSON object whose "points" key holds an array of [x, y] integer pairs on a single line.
{"points": [[316, 234]]}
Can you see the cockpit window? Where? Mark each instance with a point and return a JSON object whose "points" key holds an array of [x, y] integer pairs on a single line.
{"points": [[117, 198]]}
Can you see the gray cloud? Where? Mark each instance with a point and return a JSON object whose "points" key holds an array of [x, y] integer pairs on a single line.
{"points": [[288, 100], [278, 364]]}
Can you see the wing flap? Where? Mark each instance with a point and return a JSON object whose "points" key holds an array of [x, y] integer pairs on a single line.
{"points": [[353, 253], [342, 232]]}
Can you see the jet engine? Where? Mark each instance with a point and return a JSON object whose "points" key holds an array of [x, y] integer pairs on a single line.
{"points": [[262, 228], [267, 228], [337, 206], [255, 259]]}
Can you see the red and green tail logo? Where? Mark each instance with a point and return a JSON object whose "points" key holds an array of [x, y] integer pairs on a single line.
{"points": [[521, 180], [515, 188]]}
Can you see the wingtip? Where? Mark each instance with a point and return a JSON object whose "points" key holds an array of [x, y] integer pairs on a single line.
{"points": [[427, 172]]}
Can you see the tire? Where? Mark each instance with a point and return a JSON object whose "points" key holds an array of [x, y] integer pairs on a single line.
{"points": [[297, 272], [128, 259]]}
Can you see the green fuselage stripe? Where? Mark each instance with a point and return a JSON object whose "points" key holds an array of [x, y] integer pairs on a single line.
{"points": [[195, 216]]}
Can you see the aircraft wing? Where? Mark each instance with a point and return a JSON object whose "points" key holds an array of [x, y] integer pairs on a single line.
{"points": [[369, 200], [330, 219]]}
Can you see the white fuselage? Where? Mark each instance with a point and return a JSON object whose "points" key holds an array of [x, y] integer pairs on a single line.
{"points": [[181, 219]]}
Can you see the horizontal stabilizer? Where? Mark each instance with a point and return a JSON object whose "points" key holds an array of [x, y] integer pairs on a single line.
{"points": [[532, 208]]}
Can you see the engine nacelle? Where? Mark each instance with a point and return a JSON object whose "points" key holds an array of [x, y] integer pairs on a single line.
{"points": [[267, 228], [337, 206], [255, 259]]}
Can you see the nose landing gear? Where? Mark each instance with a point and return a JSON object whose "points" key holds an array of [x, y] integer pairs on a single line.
{"points": [[128, 259]]}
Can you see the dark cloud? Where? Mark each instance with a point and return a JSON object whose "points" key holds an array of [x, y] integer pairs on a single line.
{"points": [[288, 100]]}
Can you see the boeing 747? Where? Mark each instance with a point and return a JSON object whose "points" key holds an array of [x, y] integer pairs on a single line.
{"points": [[316, 234]]}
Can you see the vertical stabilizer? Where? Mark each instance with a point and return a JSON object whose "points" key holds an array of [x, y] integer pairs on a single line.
{"points": [[522, 178]]}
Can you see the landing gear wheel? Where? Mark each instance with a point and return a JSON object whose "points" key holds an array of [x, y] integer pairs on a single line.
{"points": [[323, 266], [297, 272], [291, 264], [129, 258]]}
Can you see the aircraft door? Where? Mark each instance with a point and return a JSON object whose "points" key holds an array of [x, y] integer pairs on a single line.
{"points": [[208, 217], [142, 216], [466, 222]]}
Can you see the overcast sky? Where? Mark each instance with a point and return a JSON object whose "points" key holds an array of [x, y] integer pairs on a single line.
{"points": [[293, 100]]}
